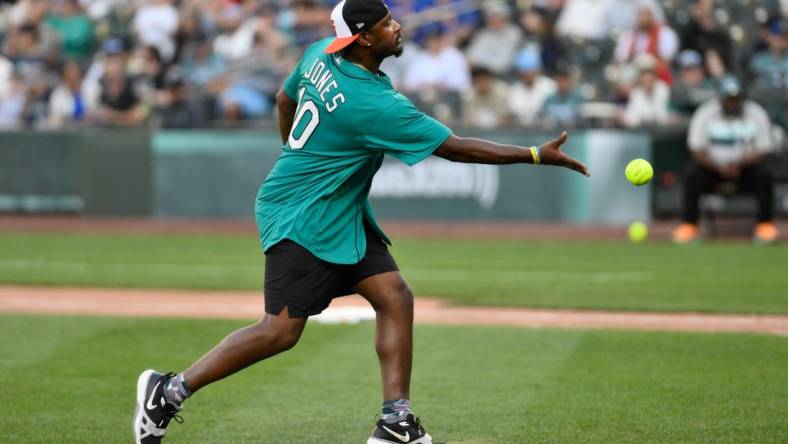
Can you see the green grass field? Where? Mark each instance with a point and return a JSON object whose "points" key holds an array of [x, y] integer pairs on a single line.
{"points": [[71, 380], [716, 277]]}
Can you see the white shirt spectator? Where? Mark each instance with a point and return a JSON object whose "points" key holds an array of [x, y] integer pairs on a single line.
{"points": [[396, 67], [633, 43], [487, 109], [525, 101], [728, 138], [646, 108], [584, 19], [494, 45], [155, 24], [6, 71], [237, 44], [446, 69], [622, 14]]}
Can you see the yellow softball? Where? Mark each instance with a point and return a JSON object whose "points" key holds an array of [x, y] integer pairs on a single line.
{"points": [[639, 172]]}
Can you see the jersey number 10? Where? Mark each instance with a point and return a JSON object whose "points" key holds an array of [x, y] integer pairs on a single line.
{"points": [[304, 107]]}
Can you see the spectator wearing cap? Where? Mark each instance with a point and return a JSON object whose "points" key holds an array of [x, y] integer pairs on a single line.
{"points": [[649, 37], [23, 46], [155, 24], [649, 99], [531, 90], [113, 48], [692, 87], [729, 140], [67, 103], [770, 71], [495, 44], [704, 35], [73, 28], [563, 107], [178, 110], [484, 105]]}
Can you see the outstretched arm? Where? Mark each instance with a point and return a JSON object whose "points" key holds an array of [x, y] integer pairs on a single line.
{"points": [[286, 109], [469, 150]]}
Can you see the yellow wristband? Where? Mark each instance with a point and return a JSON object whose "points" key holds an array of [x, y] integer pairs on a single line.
{"points": [[535, 155]]}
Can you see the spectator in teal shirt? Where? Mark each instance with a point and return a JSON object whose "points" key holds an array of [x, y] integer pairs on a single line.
{"points": [[563, 107], [770, 68], [73, 28]]}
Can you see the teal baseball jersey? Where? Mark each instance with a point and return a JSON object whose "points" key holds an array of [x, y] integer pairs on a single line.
{"points": [[346, 120]]}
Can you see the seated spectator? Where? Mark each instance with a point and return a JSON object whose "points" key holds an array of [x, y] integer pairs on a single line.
{"points": [[563, 107], [236, 36], [12, 103], [494, 45], [770, 68], [239, 99], [201, 65], [622, 15], [692, 88], [179, 110], [111, 48], [118, 102], [67, 103], [155, 24], [73, 28], [528, 94], [649, 37], [598, 19], [6, 72], [540, 33], [704, 35], [30, 12], [439, 66], [23, 47], [484, 106], [38, 82], [397, 67], [311, 18], [648, 101], [147, 72], [729, 139], [584, 19]]}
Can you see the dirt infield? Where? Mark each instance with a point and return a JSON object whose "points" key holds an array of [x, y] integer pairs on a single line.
{"points": [[245, 305]]}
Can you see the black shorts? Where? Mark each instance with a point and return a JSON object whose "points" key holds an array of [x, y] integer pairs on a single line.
{"points": [[305, 284]]}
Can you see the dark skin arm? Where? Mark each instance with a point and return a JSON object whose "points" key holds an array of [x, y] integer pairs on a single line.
{"points": [[470, 150], [460, 149], [286, 109]]}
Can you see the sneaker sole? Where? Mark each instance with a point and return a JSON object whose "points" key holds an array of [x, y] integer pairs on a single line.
{"points": [[136, 422], [426, 439]]}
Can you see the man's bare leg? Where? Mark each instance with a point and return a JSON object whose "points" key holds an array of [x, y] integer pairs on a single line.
{"points": [[392, 300], [271, 335]]}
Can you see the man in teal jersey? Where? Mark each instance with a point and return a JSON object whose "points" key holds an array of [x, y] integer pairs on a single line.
{"points": [[338, 117]]}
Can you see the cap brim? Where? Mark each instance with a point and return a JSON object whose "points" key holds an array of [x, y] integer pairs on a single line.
{"points": [[340, 43]]}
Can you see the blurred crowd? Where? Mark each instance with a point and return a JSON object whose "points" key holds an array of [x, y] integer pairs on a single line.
{"points": [[481, 63]]}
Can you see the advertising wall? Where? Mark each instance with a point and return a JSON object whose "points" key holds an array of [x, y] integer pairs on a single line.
{"points": [[217, 174]]}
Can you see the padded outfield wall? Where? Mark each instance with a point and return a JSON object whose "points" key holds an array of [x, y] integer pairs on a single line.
{"points": [[216, 174]]}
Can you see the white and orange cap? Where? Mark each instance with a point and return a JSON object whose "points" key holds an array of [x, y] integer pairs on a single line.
{"points": [[351, 18]]}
